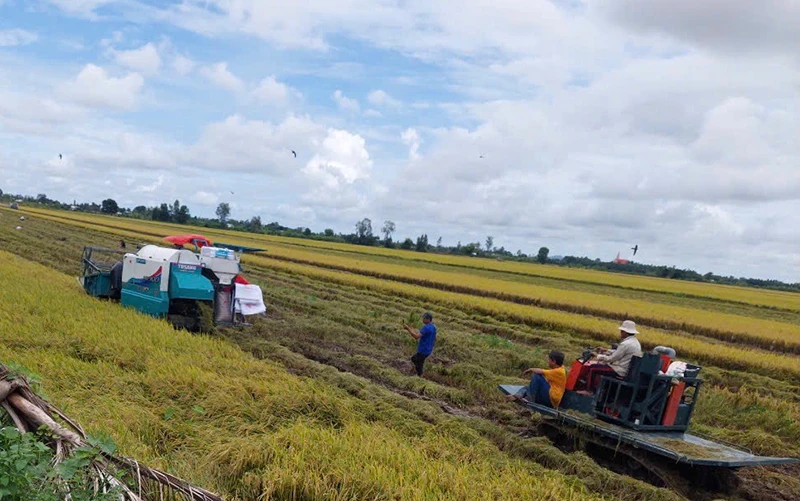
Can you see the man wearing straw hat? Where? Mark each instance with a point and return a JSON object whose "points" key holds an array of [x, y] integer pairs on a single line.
{"points": [[620, 359]]}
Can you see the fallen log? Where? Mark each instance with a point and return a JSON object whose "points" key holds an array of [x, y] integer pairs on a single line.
{"points": [[39, 418], [30, 412]]}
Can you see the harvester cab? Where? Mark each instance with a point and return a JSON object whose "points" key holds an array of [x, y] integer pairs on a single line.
{"points": [[639, 424]]}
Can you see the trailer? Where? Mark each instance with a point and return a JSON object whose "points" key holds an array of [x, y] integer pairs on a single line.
{"points": [[639, 425]]}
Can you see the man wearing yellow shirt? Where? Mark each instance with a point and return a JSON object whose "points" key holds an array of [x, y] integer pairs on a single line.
{"points": [[547, 385]]}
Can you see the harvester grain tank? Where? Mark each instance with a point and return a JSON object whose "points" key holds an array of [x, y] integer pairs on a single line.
{"points": [[639, 424]]}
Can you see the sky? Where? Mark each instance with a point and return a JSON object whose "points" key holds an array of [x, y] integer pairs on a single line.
{"points": [[586, 127]]}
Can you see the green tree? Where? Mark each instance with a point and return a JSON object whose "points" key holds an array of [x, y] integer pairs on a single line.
{"points": [[542, 255], [329, 232], [109, 206], [161, 213], [223, 211], [407, 244], [364, 232], [489, 243], [471, 249], [254, 224], [388, 229], [182, 215], [422, 243]]}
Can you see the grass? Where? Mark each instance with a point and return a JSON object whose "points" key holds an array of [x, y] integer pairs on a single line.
{"points": [[203, 409]]}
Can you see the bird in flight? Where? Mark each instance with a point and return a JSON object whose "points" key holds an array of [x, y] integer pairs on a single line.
{"points": [[480, 156], [231, 192], [59, 156], [294, 153], [635, 248]]}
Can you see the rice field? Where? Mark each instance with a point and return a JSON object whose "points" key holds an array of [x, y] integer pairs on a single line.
{"points": [[760, 344], [767, 298], [333, 324]]}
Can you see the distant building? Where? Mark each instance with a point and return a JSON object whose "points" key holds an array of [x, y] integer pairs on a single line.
{"points": [[618, 260]]}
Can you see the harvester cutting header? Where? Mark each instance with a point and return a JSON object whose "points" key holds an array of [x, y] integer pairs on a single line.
{"points": [[175, 283]]}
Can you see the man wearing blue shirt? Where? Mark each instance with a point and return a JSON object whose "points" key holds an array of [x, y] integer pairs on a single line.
{"points": [[426, 337]]}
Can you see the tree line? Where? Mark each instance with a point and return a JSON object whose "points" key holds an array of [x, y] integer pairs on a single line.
{"points": [[364, 234]]}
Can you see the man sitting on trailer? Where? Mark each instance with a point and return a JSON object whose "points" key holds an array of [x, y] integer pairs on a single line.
{"points": [[547, 385], [619, 359]]}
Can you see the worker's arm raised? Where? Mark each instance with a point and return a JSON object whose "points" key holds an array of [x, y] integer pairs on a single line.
{"points": [[414, 333]]}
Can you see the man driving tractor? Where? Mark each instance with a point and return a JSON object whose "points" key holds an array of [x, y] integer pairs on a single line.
{"points": [[615, 362]]}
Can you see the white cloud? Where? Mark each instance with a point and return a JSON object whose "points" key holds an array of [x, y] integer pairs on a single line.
{"points": [[183, 65], [116, 37], [205, 198], [410, 138], [16, 36], [37, 115], [382, 99], [729, 25], [94, 87], [345, 103], [342, 158], [145, 59], [80, 7], [238, 144], [219, 75], [152, 187], [271, 91]]}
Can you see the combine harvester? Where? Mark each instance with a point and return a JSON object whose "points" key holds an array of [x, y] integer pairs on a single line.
{"points": [[638, 425], [175, 283]]}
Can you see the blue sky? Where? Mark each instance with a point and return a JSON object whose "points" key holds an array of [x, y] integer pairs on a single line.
{"points": [[601, 125]]}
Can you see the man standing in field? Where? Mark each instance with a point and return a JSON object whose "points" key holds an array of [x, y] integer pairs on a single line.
{"points": [[426, 338]]}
